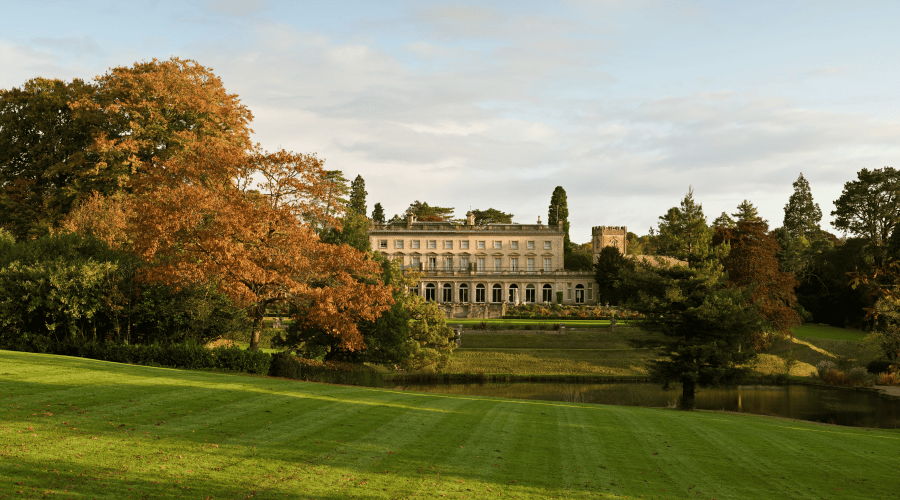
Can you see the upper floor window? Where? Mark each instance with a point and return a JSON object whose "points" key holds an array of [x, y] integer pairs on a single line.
{"points": [[382, 244], [548, 266], [529, 245], [398, 244], [414, 244], [498, 244], [464, 245], [547, 245], [432, 243], [481, 244], [448, 244], [514, 245]]}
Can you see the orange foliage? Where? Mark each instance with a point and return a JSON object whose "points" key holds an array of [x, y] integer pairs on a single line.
{"points": [[194, 214], [753, 262]]}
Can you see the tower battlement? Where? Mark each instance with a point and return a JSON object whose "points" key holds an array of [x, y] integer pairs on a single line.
{"points": [[609, 236]]}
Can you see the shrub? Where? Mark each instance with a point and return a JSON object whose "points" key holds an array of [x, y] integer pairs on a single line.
{"points": [[835, 377], [333, 372], [858, 376], [887, 378], [824, 367], [878, 366]]}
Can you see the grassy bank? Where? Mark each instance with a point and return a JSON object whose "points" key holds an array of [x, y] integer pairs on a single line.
{"points": [[78, 428]]}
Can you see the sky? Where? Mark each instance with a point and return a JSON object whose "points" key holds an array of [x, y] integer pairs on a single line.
{"points": [[625, 104]]}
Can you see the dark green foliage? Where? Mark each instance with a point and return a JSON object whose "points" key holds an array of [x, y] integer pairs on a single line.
{"points": [[825, 289], [491, 216], [354, 232], [801, 214], [358, 194], [44, 167], [683, 232], [706, 326], [378, 214], [610, 272], [425, 212], [285, 365], [578, 261], [746, 212], [559, 211], [188, 355], [869, 207], [724, 220], [878, 366]]}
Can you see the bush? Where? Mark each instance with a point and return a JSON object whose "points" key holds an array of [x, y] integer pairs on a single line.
{"points": [[878, 366], [835, 377], [824, 367], [887, 378], [333, 372], [859, 376]]}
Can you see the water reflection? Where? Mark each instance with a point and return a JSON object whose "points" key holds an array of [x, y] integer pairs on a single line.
{"points": [[813, 403]]}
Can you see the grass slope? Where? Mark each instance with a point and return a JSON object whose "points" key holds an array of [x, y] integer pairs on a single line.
{"points": [[76, 428]]}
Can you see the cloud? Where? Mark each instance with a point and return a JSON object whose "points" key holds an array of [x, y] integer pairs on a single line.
{"points": [[832, 71], [239, 8], [78, 45]]}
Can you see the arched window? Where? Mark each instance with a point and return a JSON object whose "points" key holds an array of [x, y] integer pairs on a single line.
{"points": [[529, 293], [447, 293], [429, 291], [513, 293], [463, 293], [479, 293], [547, 293], [579, 294], [496, 293]]}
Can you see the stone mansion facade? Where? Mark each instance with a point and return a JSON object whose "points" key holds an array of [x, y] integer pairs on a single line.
{"points": [[477, 271]]}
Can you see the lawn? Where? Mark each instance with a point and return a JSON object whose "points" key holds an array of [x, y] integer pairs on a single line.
{"points": [[500, 323], [77, 428], [828, 332]]}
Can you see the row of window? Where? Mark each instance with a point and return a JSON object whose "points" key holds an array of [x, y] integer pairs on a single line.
{"points": [[463, 244], [512, 293], [446, 263]]}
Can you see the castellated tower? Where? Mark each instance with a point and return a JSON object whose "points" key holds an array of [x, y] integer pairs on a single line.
{"points": [[609, 236]]}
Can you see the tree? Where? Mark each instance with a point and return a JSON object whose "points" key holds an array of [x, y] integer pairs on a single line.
{"points": [[378, 214], [611, 285], [205, 205], [723, 220], [801, 214], [752, 263], [683, 232], [704, 323], [870, 208], [353, 231], [358, 196], [44, 166], [491, 216], [746, 212], [559, 211], [424, 212]]}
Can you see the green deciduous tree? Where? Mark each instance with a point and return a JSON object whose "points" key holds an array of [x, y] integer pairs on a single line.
{"points": [[801, 214], [869, 207], [425, 212], [557, 212], [705, 325]]}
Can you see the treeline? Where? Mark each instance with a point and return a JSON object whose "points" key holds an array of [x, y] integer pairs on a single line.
{"points": [[136, 209]]}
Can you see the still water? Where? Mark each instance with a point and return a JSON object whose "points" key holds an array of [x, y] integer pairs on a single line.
{"points": [[802, 402]]}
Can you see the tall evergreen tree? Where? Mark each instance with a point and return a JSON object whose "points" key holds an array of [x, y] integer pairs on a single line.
{"points": [[559, 211], [724, 220], [870, 208], [683, 232], [746, 212], [378, 214], [358, 194], [801, 215]]}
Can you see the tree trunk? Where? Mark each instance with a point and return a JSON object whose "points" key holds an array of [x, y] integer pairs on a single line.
{"points": [[258, 313], [686, 401]]}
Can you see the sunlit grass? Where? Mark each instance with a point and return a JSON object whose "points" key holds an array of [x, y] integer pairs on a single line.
{"points": [[76, 428], [620, 362], [828, 332]]}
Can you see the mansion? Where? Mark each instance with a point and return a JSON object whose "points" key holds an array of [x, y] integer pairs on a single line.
{"points": [[477, 271]]}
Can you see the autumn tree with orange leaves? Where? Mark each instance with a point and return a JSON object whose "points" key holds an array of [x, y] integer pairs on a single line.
{"points": [[752, 263], [201, 203]]}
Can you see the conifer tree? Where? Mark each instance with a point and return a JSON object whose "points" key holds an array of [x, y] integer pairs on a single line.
{"points": [[357, 196], [683, 232], [559, 211], [724, 220], [378, 214], [746, 212], [801, 214]]}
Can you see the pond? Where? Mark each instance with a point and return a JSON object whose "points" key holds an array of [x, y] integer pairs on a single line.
{"points": [[802, 402]]}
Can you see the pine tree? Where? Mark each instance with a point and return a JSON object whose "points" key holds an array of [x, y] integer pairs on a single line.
{"points": [[683, 232], [357, 196], [559, 211], [724, 220], [801, 214], [378, 214], [746, 212]]}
